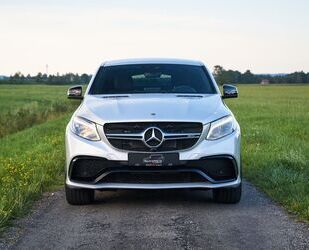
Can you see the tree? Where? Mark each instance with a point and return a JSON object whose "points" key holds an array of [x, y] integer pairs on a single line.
{"points": [[218, 74], [248, 77], [38, 77], [84, 78], [226, 76], [218, 70]]}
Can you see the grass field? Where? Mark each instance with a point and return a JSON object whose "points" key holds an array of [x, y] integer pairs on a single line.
{"points": [[275, 149], [275, 136], [23, 106]]}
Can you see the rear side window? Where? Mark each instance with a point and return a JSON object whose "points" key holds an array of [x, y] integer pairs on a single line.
{"points": [[152, 78]]}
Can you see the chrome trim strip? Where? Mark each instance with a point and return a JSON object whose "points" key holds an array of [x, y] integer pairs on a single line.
{"points": [[153, 186], [124, 137], [166, 136], [181, 136]]}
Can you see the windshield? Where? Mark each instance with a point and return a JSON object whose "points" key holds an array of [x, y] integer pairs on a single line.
{"points": [[152, 78]]}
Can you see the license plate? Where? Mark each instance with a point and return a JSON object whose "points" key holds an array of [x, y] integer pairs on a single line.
{"points": [[153, 159]]}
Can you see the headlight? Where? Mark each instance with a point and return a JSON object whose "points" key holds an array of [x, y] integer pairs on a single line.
{"points": [[221, 128], [85, 128]]}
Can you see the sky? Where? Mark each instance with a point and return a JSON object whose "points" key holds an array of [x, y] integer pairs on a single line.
{"points": [[77, 36]]}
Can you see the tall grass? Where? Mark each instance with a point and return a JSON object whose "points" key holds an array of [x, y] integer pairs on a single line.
{"points": [[23, 106], [30, 114], [31, 161]]}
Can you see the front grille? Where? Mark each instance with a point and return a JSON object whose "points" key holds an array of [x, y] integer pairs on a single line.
{"points": [[129, 136]]}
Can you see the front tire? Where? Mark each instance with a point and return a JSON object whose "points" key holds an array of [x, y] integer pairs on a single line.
{"points": [[227, 195], [76, 196]]}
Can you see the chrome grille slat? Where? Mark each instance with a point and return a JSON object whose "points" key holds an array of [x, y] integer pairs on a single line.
{"points": [[167, 136], [125, 136]]}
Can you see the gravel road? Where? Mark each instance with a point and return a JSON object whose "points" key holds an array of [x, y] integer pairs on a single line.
{"points": [[174, 219]]}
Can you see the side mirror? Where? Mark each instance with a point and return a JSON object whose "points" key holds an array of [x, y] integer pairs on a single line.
{"points": [[75, 92], [229, 91]]}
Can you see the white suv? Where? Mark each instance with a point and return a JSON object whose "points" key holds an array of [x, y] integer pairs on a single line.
{"points": [[152, 124]]}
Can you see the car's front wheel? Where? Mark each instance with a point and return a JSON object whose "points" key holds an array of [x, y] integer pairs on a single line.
{"points": [[227, 195], [76, 196]]}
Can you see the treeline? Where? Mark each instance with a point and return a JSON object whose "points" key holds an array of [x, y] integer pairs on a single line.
{"points": [[222, 76], [68, 78], [233, 76]]}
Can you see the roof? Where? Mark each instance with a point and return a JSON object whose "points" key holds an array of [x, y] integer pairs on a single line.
{"points": [[152, 61]]}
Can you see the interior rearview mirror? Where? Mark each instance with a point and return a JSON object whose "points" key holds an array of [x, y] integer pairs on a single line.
{"points": [[75, 92], [229, 91]]}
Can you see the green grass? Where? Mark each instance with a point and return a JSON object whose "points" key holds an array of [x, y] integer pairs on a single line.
{"points": [[275, 149], [275, 142], [31, 162], [22, 106]]}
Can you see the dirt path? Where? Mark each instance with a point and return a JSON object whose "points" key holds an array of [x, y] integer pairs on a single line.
{"points": [[177, 219]]}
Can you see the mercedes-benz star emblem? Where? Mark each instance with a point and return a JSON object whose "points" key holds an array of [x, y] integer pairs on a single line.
{"points": [[153, 137]]}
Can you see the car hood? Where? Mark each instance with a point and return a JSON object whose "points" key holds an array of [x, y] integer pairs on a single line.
{"points": [[152, 107]]}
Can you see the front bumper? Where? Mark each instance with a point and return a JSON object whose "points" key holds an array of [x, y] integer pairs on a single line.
{"points": [[192, 159]]}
